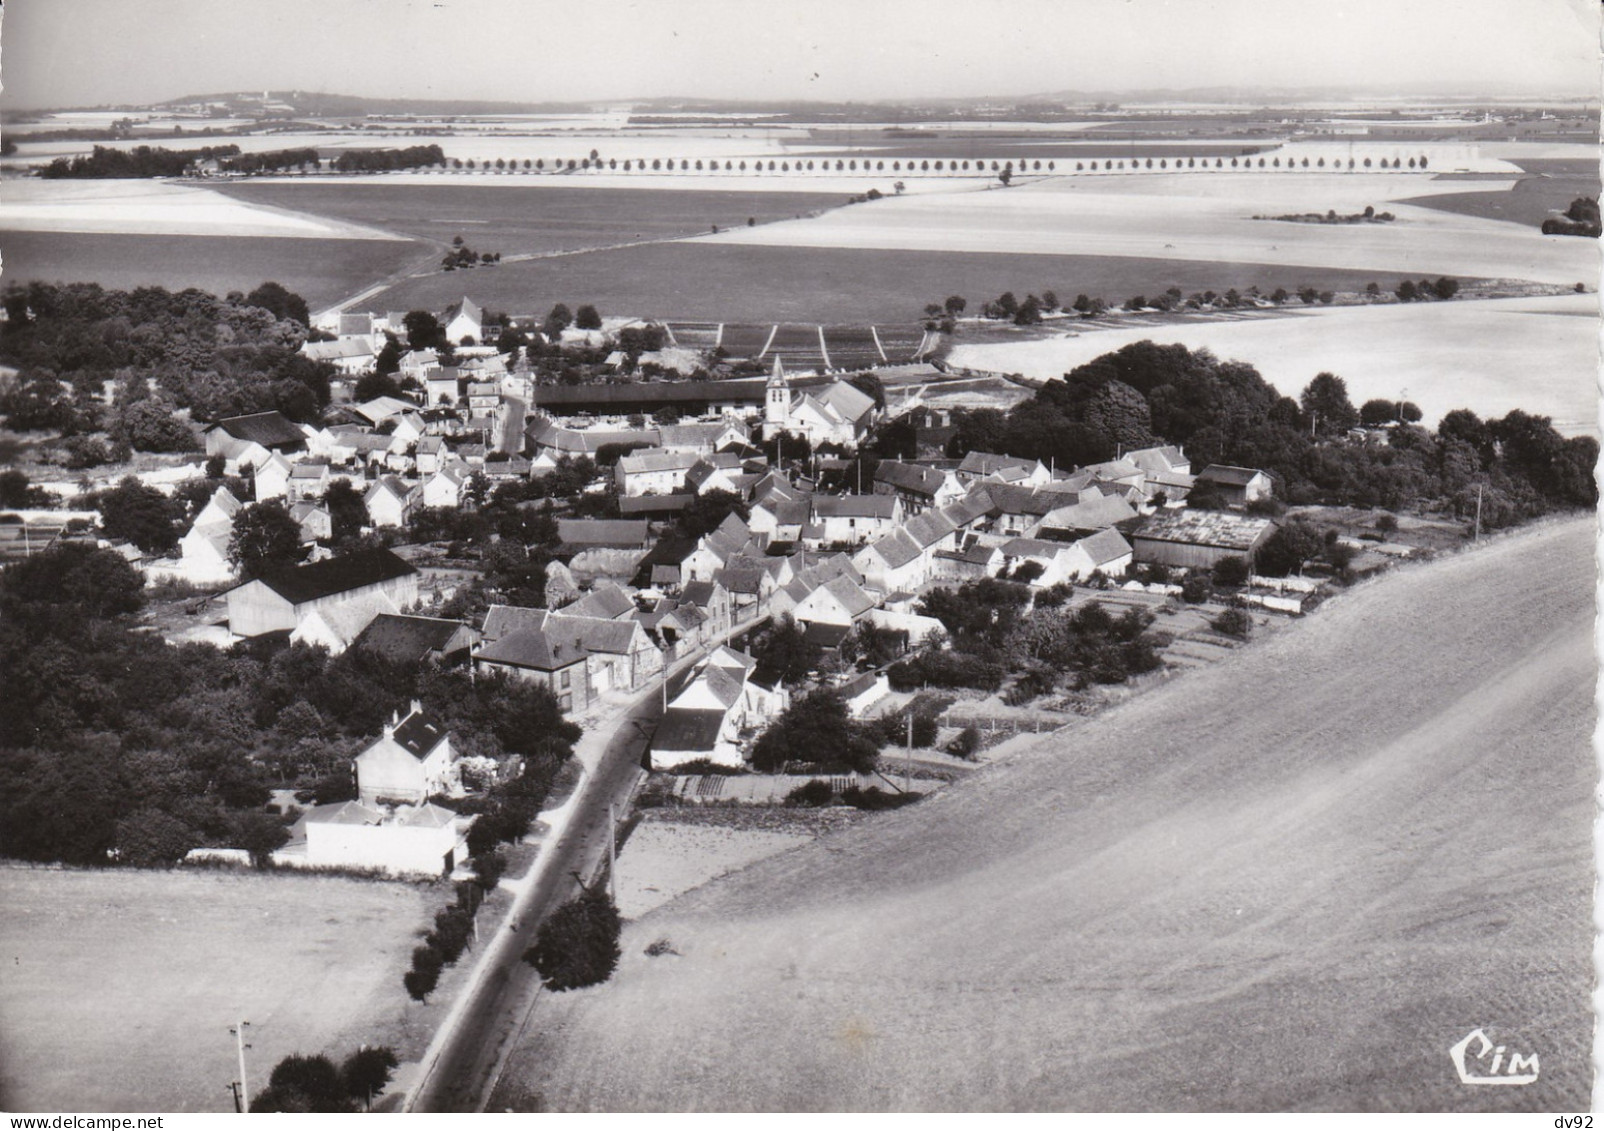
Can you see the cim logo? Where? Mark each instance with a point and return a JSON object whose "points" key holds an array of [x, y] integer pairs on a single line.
{"points": [[1479, 1061]]}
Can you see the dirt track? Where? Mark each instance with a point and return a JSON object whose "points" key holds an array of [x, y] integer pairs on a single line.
{"points": [[1291, 881]]}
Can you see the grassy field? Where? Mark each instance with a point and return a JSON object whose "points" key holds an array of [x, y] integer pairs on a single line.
{"points": [[511, 218], [1291, 881], [1536, 354], [1531, 201], [119, 988], [320, 271], [748, 283]]}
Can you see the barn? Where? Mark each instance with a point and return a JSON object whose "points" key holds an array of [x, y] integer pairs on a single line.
{"points": [[1197, 539], [280, 600]]}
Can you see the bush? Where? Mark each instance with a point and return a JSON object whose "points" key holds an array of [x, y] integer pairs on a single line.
{"points": [[893, 729], [366, 1071], [1267, 507], [488, 868], [1387, 523], [453, 926], [1232, 571], [1233, 622], [945, 669], [420, 983], [578, 945], [1197, 589], [873, 798], [965, 744], [812, 795], [427, 959], [1054, 595]]}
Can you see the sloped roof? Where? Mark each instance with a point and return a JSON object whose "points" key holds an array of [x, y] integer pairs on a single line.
{"points": [[1093, 514], [929, 528], [428, 815], [535, 648], [313, 582], [896, 548], [699, 593], [1010, 498], [418, 735], [1160, 459], [912, 477], [962, 512], [731, 659], [380, 409], [594, 633], [1228, 475], [850, 594], [825, 635], [688, 729], [503, 620], [1105, 546], [344, 813], [606, 601], [406, 639], [269, 429], [630, 533], [1033, 548], [1220, 529], [854, 506], [694, 433], [309, 469], [391, 484], [847, 400], [986, 463], [655, 459]]}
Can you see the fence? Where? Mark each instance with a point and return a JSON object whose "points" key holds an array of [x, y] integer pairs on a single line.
{"points": [[1004, 724]]}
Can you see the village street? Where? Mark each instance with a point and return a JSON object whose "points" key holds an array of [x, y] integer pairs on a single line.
{"points": [[465, 1058]]}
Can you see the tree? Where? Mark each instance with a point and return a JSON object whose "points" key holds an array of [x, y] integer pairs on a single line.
{"points": [[141, 515], [150, 838], [1029, 312], [71, 577], [955, 305], [281, 303], [1407, 291], [1233, 622], [784, 652], [1326, 401], [587, 318], [424, 331], [816, 729], [150, 425], [1231, 571], [371, 386], [348, 514], [312, 1080], [578, 945], [366, 1071], [1446, 287], [1006, 176], [1291, 544], [264, 538]]}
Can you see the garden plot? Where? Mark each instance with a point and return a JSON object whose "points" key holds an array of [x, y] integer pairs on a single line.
{"points": [[150, 207], [1200, 218], [1491, 356]]}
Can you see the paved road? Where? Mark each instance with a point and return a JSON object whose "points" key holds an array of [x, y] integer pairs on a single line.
{"points": [[463, 1075]]}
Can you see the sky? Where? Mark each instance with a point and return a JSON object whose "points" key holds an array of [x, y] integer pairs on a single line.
{"points": [[56, 53]]}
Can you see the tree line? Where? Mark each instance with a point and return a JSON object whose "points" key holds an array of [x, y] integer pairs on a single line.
{"points": [[137, 161], [1225, 412]]}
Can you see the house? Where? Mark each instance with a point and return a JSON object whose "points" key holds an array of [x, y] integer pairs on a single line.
{"points": [[654, 471], [837, 413], [220, 508], [407, 640], [271, 479], [863, 692], [975, 560], [1004, 469], [484, 397], [278, 601], [390, 502], [851, 520], [1161, 463], [1238, 486], [335, 626], [421, 840], [534, 643], [658, 507], [716, 473], [779, 516], [893, 563], [554, 660], [444, 487], [1090, 512], [315, 520], [203, 553], [309, 479], [918, 485], [464, 320], [604, 533], [1017, 510], [702, 437], [408, 763], [351, 356], [605, 602], [244, 440], [1106, 552], [442, 385], [711, 600], [689, 734], [1198, 539], [839, 602]]}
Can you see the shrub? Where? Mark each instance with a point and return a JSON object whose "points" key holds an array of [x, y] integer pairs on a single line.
{"points": [[1231, 571], [1267, 507], [812, 794], [1054, 595], [420, 983], [1233, 622], [427, 959], [874, 798], [578, 945], [488, 868], [452, 928], [1197, 589], [945, 669], [1387, 523], [965, 744], [366, 1071]]}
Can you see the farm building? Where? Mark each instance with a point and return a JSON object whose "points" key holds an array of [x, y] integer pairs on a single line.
{"points": [[248, 439], [688, 398], [278, 601], [555, 660], [1238, 486], [604, 533], [1195, 539], [405, 639], [1004, 469], [409, 762], [654, 472], [918, 485], [421, 840], [335, 626]]}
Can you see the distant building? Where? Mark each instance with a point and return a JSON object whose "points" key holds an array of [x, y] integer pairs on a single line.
{"points": [[278, 601], [1238, 486]]}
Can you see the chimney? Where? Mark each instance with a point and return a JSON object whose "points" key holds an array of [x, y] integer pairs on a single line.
{"points": [[417, 707]]}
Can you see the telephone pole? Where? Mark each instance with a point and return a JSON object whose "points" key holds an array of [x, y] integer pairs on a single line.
{"points": [[239, 1047], [612, 854], [907, 758], [1477, 536]]}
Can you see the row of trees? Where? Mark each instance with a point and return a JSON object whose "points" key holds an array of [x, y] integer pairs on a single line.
{"points": [[301, 1083], [385, 160], [137, 161], [272, 161], [1248, 163], [1225, 412]]}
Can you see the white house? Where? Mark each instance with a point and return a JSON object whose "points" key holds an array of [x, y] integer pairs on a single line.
{"points": [[464, 320], [390, 501], [335, 626], [421, 840], [272, 477], [444, 487], [654, 471], [410, 761]]}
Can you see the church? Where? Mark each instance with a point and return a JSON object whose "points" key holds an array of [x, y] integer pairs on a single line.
{"points": [[837, 413]]}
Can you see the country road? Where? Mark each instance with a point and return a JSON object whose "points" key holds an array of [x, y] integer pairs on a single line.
{"points": [[462, 1074]]}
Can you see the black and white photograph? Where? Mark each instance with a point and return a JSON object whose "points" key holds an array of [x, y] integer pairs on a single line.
{"points": [[857, 556]]}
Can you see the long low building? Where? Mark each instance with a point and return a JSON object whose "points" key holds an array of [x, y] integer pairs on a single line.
{"points": [[1198, 539], [281, 600]]}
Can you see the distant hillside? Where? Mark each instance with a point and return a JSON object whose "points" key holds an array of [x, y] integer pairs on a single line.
{"points": [[321, 105]]}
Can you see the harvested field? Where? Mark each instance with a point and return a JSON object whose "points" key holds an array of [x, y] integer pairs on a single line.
{"points": [[800, 345], [664, 858], [1291, 881], [855, 347], [122, 985], [695, 280], [745, 341], [320, 271], [511, 217], [1491, 356], [1531, 201], [1196, 217]]}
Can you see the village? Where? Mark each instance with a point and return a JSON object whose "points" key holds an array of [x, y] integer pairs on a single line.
{"points": [[826, 578]]}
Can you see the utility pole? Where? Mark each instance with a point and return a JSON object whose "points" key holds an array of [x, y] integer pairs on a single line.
{"points": [[907, 759], [1477, 536], [239, 1047]]}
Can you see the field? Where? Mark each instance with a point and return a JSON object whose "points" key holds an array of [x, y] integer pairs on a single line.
{"points": [[168, 961], [321, 271], [1200, 217], [664, 858], [503, 215], [1491, 356], [1551, 188], [1291, 881], [697, 280]]}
